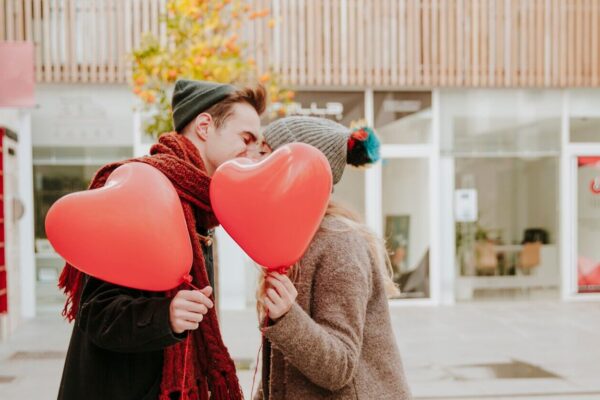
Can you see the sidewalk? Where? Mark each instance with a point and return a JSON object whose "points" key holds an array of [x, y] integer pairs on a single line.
{"points": [[533, 350]]}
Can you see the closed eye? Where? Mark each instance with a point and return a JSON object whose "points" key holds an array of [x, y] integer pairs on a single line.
{"points": [[248, 138]]}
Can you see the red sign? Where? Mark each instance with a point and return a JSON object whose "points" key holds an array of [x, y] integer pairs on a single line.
{"points": [[595, 185], [17, 81]]}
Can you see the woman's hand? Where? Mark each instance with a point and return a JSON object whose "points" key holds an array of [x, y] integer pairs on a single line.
{"points": [[280, 295]]}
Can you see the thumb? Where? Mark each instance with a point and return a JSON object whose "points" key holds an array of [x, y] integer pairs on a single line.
{"points": [[207, 291]]}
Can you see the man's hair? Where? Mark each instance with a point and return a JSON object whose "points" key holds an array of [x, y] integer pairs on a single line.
{"points": [[255, 97]]}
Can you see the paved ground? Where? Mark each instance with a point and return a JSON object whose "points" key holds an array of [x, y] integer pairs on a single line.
{"points": [[512, 350]]}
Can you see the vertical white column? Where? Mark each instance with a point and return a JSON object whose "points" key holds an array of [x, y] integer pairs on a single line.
{"points": [[139, 147], [568, 204], [232, 273], [441, 227], [373, 177], [26, 229]]}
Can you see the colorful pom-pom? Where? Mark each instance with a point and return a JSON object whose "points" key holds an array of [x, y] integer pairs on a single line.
{"points": [[363, 146]]}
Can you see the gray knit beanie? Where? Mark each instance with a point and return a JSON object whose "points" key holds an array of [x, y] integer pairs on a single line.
{"points": [[192, 98], [332, 139]]}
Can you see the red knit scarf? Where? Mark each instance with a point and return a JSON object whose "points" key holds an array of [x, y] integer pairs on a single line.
{"points": [[210, 371]]}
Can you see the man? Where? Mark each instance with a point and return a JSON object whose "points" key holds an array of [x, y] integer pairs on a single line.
{"points": [[132, 344]]}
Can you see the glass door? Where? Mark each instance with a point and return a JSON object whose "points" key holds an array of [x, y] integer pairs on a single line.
{"points": [[587, 224]]}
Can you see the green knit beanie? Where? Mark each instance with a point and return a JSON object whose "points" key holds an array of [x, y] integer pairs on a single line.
{"points": [[338, 143], [192, 98]]}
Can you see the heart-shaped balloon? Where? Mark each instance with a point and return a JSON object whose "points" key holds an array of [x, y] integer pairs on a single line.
{"points": [[273, 208], [131, 232]]}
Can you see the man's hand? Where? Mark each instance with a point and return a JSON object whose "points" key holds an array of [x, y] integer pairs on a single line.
{"points": [[280, 295], [188, 308]]}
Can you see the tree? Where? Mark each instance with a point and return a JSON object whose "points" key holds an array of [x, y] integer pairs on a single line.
{"points": [[202, 43]]}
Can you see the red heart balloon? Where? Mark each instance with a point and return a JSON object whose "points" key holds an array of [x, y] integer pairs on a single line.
{"points": [[273, 208], [131, 232]]}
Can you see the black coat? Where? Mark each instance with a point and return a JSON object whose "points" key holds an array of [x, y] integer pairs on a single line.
{"points": [[116, 348]]}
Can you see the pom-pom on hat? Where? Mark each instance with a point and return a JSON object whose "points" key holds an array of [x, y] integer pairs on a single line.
{"points": [[341, 145]]}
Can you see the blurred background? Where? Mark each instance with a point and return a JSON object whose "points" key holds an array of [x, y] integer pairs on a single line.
{"points": [[488, 194]]}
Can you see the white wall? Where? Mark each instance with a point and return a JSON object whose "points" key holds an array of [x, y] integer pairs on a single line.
{"points": [[19, 121], [83, 115]]}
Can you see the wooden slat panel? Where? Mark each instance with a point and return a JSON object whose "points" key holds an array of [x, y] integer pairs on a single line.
{"points": [[435, 43], [578, 11], [366, 78], [145, 16], [110, 42], [46, 41], [120, 36], [3, 19], [336, 74], [467, 63], [154, 17], [294, 40], [540, 34], [378, 43], [402, 42], [10, 20], [102, 40], [28, 21], [572, 46], [564, 44], [18, 17], [37, 37], [328, 41], [70, 38], [95, 49], [452, 42], [426, 40], [585, 67], [417, 42]]}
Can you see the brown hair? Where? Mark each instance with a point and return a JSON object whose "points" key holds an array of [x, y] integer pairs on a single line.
{"points": [[255, 97]]}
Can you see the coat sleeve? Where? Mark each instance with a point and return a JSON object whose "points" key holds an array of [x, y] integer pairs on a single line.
{"points": [[326, 348], [124, 320]]}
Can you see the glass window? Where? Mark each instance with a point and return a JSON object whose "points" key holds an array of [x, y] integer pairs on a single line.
{"points": [[500, 122], [53, 182], [585, 129], [343, 107], [403, 117], [514, 225], [584, 115], [406, 223], [588, 224]]}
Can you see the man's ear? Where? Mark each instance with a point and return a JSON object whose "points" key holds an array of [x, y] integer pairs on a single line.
{"points": [[201, 126]]}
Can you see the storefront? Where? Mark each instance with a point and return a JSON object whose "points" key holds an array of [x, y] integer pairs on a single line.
{"points": [[481, 194]]}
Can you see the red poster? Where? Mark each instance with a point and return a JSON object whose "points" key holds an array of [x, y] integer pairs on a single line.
{"points": [[17, 79], [588, 224]]}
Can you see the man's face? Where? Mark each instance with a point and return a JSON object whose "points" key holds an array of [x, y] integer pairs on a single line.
{"points": [[238, 136]]}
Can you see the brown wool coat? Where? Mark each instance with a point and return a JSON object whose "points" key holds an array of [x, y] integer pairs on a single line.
{"points": [[336, 342]]}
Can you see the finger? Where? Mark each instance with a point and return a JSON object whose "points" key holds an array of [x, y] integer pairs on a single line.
{"points": [[271, 308], [273, 296], [191, 306], [198, 297], [276, 275], [207, 291], [188, 326], [289, 285], [190, 316], [281, 289]]}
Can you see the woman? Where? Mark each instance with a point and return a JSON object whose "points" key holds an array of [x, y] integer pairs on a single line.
{"points": [[329, 333]]}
